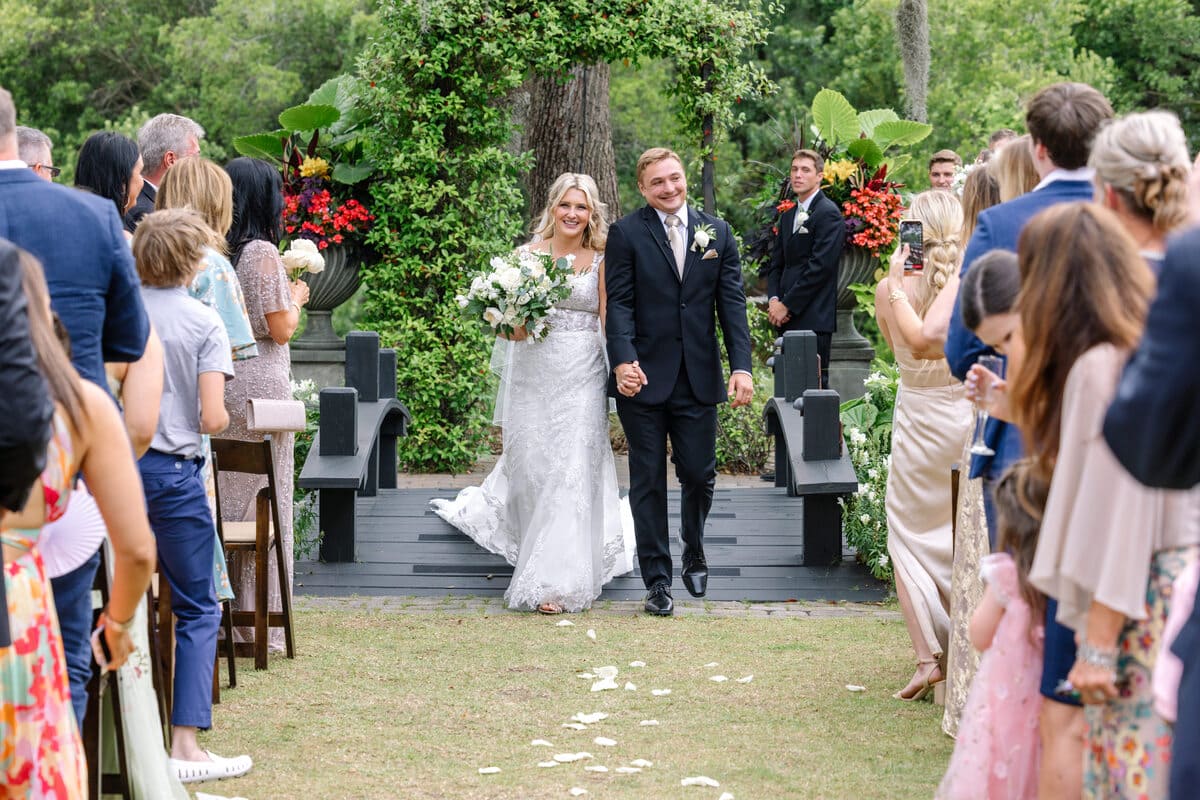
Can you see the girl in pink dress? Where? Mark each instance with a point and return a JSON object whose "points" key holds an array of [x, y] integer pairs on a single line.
{"points": [[997, 751]]}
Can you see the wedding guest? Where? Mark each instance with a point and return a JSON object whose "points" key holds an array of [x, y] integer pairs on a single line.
{"points": [[931, 420], [39, 737], [980, 191], [996, 754], [1000, 139], [110, 166], [1110, 548], [163, 141], [34, 148], [942, 166], [169, 249], [273, 303], [1014, 168]]}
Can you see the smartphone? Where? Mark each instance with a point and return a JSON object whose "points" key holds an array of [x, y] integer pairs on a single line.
{"points": [[100, 649], [913, 235]]}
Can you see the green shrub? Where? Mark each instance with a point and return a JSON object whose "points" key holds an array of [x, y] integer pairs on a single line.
{"points": [[867, 421]]}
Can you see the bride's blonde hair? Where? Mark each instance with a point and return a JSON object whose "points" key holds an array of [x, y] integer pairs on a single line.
{"points": [[596, 233], [941, 217]]}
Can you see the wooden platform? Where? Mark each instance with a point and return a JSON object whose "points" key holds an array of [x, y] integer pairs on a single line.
{"points": [[752, 542]]}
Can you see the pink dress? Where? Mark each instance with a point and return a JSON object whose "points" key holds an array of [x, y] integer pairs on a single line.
{"points": [[998, 734]]}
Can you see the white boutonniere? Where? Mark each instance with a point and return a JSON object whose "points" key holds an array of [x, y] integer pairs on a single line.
{"points": [[801, 218], [702, 237]]}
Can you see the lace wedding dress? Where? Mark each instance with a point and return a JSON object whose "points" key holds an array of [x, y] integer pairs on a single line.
{"points": [[551, 506]]}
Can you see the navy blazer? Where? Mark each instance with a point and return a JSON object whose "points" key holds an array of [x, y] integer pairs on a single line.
{"points": [[998, 228], [803, 268], [661, 321], [88, 264]]}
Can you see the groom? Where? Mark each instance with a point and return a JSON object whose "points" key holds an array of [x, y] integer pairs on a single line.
{"points": [[668, 267]]}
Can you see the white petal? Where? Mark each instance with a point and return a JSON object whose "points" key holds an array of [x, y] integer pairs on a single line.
{"points": [[564, 623], [605, 672], [591, 634], [540, 743], [660, 692], [851, 687], [746, 679], [646, 723], [590, 719], [718, 679], [641, 763], [604, 741], [699, 780], [577, 792], [710, 665], [725, 796], [627, 770], [629, 687], [586, 675], [567, 758], [607, 683], [637, 663], [547, 763], [575, 726], [488, 770], [596, 768]]}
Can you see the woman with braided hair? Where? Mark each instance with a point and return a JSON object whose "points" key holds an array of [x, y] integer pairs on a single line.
{"points": [[930, 424]]}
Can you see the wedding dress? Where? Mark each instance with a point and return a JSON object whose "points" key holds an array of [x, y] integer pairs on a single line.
{"points": [[551, 505]]}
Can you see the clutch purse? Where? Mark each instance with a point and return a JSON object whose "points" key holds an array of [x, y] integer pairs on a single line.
{"points": [[273, 416]]}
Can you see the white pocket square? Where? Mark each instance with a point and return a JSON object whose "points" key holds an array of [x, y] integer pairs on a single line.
{"points": [[710, 253]]}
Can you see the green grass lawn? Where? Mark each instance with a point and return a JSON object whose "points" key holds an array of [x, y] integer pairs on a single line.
{"points": [[396, 705]]}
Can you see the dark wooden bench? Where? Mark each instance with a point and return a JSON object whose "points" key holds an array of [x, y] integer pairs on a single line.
{"points": [[354, 451], [810, 455]]}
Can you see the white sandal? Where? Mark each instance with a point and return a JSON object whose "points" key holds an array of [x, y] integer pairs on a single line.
{"points": [[217, 769]]}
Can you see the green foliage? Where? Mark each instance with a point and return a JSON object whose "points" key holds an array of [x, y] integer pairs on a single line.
{"points": [[867, 421], [448, 197], [743, 445], [306, 534]]}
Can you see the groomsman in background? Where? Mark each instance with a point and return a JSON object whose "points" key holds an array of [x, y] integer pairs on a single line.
{"points": [[162, 141], [802, 272], [942, 166]]}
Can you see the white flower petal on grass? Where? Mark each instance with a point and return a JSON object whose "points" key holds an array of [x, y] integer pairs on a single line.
{"points": [[700, 780], [607, 683], [591, 634], [590, 719], [718, 679], [564, 623], [660, 692], [589, 676], [567, 758], [710, 665], [725, 796], [646, 723], [627, 770], [547, 763], [630, 687], [641, 763], [851, 687], [604, 741], [488, 770], [605, 672], [746, 679], [636, 664], [540, 743], [577, 792], [575, 726], [596, 768]]}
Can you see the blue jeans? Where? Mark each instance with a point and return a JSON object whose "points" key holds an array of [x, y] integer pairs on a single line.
{"points": [[989, 510], [73, 604], [183, 525]]}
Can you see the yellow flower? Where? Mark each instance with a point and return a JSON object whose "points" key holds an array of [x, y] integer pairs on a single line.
{"points": [[314, 168], [839, 170]]}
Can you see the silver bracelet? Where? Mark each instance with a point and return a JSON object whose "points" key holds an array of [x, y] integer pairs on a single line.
{"points": [[1102, 657]]}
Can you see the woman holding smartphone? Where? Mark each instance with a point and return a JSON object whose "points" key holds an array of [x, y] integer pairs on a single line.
{"points": [[931, 421]]}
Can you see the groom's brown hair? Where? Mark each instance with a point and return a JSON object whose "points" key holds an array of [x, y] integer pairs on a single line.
{"points": [[653, 156]]}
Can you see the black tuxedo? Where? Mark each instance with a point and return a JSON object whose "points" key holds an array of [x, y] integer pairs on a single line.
{"points": [[803, 269], [143, 206], [668, 325]]}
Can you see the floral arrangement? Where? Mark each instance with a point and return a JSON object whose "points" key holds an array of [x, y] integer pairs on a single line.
{"points": [[303, 256], [312, 213], [518, 290], [867, 421], [873, 215]]}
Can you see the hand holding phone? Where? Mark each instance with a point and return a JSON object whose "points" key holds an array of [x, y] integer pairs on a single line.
{"points": [[912, 233], [100, 649]]}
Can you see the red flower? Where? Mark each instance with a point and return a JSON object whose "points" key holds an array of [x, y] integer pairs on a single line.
{"points": [[785, 206]]}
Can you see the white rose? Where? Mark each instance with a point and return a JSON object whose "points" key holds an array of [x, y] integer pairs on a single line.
{"points": [[701, 238], [303, 256], [510, 316], [492, 316], [523, 299], [462, 301], [509, 279]]}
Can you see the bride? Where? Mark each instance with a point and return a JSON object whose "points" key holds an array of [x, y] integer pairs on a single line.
{"points": [[551, 505]]}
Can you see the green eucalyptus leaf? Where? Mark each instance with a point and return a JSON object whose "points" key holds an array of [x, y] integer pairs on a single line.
{"points": [[900, 133], [867, 151], [261, 145], [308, 117], [834, 117], [867, 120]]}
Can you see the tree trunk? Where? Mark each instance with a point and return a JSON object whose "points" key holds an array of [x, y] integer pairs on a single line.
{"points": [[568, 129], [912, 36]]}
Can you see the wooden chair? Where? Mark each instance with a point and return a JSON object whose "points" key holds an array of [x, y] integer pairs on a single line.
{"points": [[259, 537]]}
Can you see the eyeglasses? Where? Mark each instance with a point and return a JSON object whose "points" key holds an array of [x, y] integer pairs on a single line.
{"points": [[52, 170]]}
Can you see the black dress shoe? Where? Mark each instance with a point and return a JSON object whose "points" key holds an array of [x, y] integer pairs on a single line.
{"points": [[695, 574], [658, 601]]}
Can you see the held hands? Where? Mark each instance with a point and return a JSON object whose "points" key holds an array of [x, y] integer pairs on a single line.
{"points": [[777, 313], [984, 385], [741, 389], [630, 378], [519, 334]]}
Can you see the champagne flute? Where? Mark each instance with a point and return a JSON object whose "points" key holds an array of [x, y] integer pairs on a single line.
{"points": [[995, 365]]}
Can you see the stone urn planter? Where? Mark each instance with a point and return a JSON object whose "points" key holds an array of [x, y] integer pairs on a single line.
{"points": [[328, 289], [850, 352]]}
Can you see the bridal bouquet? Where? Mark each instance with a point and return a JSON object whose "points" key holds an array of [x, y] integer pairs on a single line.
{"points": [[518, 289], [303, 256]]}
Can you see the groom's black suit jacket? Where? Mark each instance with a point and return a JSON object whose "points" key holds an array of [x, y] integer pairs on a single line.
{"points": [[143, 206], [660, 321], [802, 272]]}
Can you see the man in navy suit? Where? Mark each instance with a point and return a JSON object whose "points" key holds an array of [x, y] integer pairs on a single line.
{"points": [[668, 266], [802, 272], [96, 292], [1154, 431]]}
